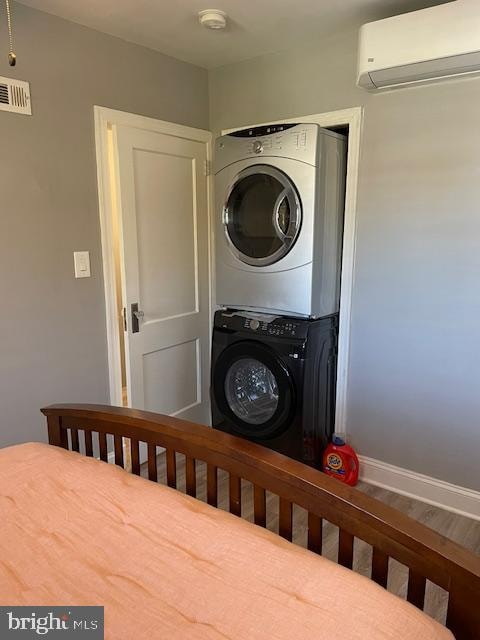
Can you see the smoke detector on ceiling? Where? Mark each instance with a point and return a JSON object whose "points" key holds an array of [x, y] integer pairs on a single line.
{"points": [[212, 18]]}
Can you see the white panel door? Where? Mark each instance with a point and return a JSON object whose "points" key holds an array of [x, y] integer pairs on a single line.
{"points": [[163, 212]]}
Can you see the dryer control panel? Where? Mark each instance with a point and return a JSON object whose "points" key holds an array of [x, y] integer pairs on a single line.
{"points": [[294, 141], [272, 138]]}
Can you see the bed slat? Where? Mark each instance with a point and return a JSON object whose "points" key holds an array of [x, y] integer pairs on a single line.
{"points": [[75, 440], [212, 485], [135, 455], [463, 612], [315, 533], [285, 519], [190, 476], [88, 444], [235, 495], [379, 567], [259, 506], [345, 549], [171, 469], [102, 444], [152, 462], [416, 589], [118, 444]]}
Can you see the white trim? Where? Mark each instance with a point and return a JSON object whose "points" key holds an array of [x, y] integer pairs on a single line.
{"points": [[114, 117], [106, 232], [465, 502], [353, 118], [104, 119]]}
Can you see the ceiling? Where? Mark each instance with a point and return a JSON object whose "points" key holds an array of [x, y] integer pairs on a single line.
{"points": [[255, 27]]}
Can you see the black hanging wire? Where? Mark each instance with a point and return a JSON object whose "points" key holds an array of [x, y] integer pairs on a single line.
{"points": [[12, 58]]}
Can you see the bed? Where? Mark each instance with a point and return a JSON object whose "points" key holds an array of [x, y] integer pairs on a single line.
{"points": [[166, 565]]}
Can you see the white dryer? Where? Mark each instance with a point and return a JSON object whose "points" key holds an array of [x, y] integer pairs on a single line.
{"points": [[279, 219]]}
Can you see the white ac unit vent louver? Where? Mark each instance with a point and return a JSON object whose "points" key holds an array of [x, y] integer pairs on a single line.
{"points": [[420, 46], [15, 96]]}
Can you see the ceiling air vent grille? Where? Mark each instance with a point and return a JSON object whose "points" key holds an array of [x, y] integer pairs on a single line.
{"points": [[4, 94], [15, 96]]}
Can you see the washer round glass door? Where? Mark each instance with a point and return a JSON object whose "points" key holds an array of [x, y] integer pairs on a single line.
{"points": [[262, 215], [251, 391], [254, 389]]}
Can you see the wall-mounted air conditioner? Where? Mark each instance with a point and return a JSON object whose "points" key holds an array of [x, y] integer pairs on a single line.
{"points": [[430, 44]]}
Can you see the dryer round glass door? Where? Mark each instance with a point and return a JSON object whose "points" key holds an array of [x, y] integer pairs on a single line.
{"points": [[254, 390], [262, 215]]}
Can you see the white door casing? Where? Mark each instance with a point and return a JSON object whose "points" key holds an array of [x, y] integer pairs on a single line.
{"points": [[161, 195]]}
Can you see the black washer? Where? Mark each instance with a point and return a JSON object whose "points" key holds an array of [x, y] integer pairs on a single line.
{"points": [[273, 381]]}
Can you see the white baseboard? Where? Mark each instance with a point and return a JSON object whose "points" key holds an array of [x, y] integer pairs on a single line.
{"points": [[465, 502]]}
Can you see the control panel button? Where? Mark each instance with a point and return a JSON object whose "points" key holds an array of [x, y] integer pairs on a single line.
{"points": [[257, 146]]}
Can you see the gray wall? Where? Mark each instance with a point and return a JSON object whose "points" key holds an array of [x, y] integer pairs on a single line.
{"points": [[413, 396], [52, 327]]}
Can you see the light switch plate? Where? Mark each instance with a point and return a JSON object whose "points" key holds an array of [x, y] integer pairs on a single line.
{"points": [[81, 260]]}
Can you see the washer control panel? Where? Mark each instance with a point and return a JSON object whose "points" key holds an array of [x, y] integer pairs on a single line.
{"points": [[280, 327], [274, 326]]}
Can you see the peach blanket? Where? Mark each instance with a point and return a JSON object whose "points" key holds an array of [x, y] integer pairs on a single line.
{"points": [[77, 531]]}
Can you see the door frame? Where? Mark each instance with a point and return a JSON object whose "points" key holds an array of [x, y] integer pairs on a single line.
{"points": [[105, 119], [353, 118]]}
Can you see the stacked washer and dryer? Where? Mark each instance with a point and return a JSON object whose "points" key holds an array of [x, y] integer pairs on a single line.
{"points": [[279, 224]]}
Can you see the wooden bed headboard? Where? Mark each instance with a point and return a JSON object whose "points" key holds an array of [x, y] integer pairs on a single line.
{"points": [[427, 554]]}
